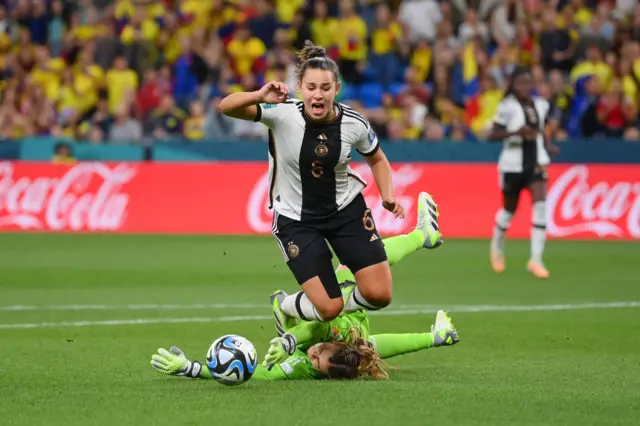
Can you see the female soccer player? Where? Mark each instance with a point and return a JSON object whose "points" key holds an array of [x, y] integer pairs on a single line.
{"points": [[340, 349], [520, 124], [316, 196]]}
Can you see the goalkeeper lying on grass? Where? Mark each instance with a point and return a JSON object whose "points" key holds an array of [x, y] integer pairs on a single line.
{"points": [[315, 350], [342, 348]]}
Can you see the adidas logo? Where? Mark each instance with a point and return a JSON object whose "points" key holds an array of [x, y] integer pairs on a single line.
{"points": [[322, 137], [374, 237]]}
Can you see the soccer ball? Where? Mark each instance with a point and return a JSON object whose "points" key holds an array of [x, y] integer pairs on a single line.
{"points": [[232, 360]]}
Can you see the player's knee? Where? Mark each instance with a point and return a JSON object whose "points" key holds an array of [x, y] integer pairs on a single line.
{"points": [[331, 309], [379, 295]]}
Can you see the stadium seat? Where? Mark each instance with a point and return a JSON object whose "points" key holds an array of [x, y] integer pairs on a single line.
{"points": [[396, 88], [347, 92], [370, 94]]}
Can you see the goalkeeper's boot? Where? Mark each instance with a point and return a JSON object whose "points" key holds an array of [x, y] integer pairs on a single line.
{"points": [[283, 321], [497, 260], [428, 221], [537, 269], [444, 332]]}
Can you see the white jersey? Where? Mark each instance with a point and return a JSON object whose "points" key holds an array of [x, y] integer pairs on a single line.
{"points": [[309, 171], [518, 155]]}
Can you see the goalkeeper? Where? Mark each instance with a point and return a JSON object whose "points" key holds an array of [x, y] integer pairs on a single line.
{"points": [[342, 348]]}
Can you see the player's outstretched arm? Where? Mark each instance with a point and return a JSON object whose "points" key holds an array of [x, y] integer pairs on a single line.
{"points": [[243, 105]]}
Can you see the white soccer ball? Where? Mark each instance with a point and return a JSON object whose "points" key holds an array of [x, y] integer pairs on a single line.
{"points": [[232, 360]]}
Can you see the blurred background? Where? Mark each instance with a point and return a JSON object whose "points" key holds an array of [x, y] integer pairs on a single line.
{"points": [[142, 71]]}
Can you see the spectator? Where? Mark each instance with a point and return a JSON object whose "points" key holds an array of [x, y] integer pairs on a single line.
{"points": [[101, 117], [96, 135], [324, 29], [166, 120], [504, 19], [482, 108], [56, 29], [62, 154], [6, 26], [473, 28], [247, 53], [593, 64], [386, 38], [421, 17], [557, 43], [121, 84], [264, 24], [194, 125], [124, 128], [615, 114], [149, 94], [352, 39]]}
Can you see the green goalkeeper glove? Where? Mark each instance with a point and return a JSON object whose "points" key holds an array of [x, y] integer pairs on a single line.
{"points": [[174, 362], [281, 348]]}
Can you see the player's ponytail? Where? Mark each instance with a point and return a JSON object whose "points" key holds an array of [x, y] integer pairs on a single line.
{"points": [[312, 56], [357, 358]]}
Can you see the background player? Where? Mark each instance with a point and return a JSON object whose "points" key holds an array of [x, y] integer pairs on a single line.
{"points": [[315, 195], [519, 124], [340, 349]]}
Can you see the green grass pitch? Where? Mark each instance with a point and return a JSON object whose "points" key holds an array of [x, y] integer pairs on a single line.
{"points": [[531, 352]]}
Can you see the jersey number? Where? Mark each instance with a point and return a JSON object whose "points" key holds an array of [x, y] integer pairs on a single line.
{"points": [[367, 221], [316, 169]]}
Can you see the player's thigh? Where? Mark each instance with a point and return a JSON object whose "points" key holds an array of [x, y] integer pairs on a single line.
{"points": [[354, 237], [359, 247], [511, 185], [537, 184], [314, 271], [309, 259]]}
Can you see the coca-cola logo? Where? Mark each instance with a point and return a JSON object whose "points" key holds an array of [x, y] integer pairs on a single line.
{"points": [[260, 217], [575, 206], [85, 197]]}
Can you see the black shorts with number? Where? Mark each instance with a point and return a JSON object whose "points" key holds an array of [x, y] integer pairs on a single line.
{"points": [[512, 183], [351, 232]]}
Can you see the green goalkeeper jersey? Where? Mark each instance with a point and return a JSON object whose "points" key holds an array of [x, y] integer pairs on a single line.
{"points": [[298, 366]]}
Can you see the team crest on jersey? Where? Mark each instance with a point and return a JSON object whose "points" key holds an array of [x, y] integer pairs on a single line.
{"points": [[293, 250], [372, 136], [321, 149]]}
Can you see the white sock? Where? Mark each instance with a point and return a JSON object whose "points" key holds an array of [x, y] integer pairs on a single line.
{"points": [[298, 305], [356, 302], [538, 230], [503, 220]]}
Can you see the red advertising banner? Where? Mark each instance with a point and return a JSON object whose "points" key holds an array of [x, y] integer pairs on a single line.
{"points": [[584, 201]]}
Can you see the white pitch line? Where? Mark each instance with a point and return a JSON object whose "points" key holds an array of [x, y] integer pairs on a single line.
{"points": [[133, 307], [385, 312]]}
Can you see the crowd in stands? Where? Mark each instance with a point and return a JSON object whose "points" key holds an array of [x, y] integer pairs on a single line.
{"points": [[129, 71]]}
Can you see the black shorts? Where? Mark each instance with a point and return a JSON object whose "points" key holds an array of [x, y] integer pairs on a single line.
{"points": [[512, 183], [351, 233]]}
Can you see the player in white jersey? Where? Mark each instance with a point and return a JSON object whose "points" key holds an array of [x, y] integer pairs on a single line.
{"points": [[316, 196], [520, 125]]}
